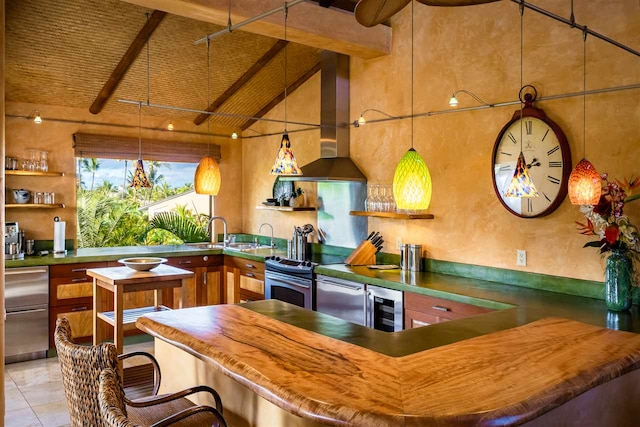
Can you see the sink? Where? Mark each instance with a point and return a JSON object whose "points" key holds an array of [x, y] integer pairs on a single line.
{"points": [[238, 246]]}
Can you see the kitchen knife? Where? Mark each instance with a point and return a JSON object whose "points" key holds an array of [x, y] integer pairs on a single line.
{"points": [[370, 235]]}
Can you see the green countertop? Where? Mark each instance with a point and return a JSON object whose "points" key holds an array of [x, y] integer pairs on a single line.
{"points": [[514, 305]]}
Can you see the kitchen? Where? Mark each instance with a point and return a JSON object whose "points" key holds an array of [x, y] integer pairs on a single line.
{"points": [[470, 226]]}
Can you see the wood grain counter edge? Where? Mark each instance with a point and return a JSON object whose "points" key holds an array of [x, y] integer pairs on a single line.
{"points": [[509, 377]]}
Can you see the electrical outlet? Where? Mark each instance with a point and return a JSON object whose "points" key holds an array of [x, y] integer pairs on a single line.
{"points": [[522, 257]]}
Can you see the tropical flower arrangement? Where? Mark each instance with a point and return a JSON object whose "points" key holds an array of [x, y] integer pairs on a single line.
{"points": [[608, 221]]}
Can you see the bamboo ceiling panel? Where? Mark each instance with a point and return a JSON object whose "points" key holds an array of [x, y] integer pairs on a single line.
{"points": [[62, 52]]}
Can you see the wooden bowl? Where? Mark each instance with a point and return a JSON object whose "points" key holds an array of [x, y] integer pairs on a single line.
{"points": [[142, 263]]}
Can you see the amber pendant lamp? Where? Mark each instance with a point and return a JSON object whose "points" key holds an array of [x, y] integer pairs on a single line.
{"points": [[521, 184], [412, 180], [285, 163], [207, 178], [140, 179], [584, 182]]}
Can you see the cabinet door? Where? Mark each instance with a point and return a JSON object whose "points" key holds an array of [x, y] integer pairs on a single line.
{"points": [[231, 286], [211, 291], [80, 318], [416, 319], [69, 283]]}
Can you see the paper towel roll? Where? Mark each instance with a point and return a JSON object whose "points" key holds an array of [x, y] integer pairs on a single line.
{"points": [[58, 236]]}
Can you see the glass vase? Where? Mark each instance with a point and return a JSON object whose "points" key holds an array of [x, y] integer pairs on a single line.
{"points": [[618, 277]]}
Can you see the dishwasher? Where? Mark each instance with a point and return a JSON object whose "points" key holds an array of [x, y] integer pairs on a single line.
{"points": [[27, 313], [342, 299]]}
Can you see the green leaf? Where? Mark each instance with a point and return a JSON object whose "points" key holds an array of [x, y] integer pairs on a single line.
{"points": [[185, 228], [632, 198], [595, 244]]}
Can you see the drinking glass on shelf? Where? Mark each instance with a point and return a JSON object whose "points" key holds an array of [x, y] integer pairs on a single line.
{"points": [[376, 198], [392, 200], [366, 200], [384, 206], [38, 198], [44, 161]]}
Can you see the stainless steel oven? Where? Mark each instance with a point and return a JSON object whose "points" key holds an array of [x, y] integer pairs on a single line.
{"points": [[290, 281]]}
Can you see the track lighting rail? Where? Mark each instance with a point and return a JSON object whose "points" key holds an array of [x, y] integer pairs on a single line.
{"points": [[571, 22]]}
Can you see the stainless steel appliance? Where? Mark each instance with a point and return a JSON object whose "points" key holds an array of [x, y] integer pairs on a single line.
{"points": [[384, 309], [342, 299], [411, 257], [290, 281], [27, 310], [366, 305], [13, 241]]}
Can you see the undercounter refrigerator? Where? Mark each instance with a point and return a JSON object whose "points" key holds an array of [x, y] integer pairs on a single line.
{"points": [[27, 313]]}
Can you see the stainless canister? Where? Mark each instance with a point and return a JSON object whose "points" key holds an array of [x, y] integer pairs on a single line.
{"points": [[301, 247], [411, 257]]}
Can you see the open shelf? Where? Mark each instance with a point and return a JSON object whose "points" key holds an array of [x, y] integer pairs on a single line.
{"points": [[393, 215], [32, 173], [286, 208], [35, 206]]}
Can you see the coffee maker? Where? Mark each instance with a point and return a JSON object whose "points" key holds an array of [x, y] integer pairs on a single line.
{"points": [[13, 241]]}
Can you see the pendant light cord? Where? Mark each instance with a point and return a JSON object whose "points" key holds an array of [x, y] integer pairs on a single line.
{"points": [[148, 66], [229, 20], [521, 63], [140, 130], [286, 15], [208, 94], [412, 73], [584, 98]]}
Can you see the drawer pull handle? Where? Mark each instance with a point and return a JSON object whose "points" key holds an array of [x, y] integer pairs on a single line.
{"points": [[184, 262], [250, 266], [78, 270], [249, 275], [441, 308], [80, 308], [79, 279]]}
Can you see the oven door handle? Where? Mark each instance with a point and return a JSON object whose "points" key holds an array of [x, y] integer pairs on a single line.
{"points": [[287, 280]]}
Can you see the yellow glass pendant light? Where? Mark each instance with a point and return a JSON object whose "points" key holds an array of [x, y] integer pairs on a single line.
{"points": [[207, 178], [412, 180], [584, 182], [412, 183], [140, 179], [285, 163]]}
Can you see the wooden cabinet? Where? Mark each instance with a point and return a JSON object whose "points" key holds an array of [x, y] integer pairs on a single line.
{"points": [[244, 280], [205, 288], [422, 310], [71, 296]]}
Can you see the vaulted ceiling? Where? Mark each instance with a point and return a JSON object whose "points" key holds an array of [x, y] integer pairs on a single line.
{"points": [[62, 52]]}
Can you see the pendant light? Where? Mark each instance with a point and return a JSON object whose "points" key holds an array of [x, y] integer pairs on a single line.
{"points": [[207, 177], [140, 179], [285, 163], [584, 182], [521, 184], [412, 180]]}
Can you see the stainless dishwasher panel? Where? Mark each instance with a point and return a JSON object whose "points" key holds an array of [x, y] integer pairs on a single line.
{"points": [[385, 309], [341, 298], [27, 313]]}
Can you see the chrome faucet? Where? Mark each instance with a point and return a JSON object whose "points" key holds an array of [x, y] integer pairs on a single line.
{"points": [[224, 229], [270, 226]]}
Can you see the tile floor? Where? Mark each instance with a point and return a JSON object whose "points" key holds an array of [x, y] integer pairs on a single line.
{"points": [[34, 394]]}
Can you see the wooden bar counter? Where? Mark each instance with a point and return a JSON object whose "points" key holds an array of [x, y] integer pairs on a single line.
{"points": [[551, 371]]}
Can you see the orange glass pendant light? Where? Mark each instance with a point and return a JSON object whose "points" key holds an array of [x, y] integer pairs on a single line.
{"points": [[207, 177], [584, 182], [285, 163]]}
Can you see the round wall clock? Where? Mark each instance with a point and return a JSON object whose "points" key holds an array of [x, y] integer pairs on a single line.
{"points": [[547, 157]]}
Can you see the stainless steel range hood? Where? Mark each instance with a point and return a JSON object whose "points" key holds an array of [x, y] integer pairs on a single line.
{"points": [[334, 163]]}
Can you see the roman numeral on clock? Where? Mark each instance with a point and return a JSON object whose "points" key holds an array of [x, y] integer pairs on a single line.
{"points": [[553, 180], [529, 205], [545, 134], [505, 153], [545, 196], [528, 126], [505, 168], [512, 138], [555, 164], [553, 150]]}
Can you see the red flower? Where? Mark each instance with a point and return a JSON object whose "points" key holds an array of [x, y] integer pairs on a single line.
{"points": [[611, 233]]}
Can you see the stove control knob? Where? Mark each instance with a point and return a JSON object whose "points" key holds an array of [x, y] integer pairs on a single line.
{"points": [[277, 258]]}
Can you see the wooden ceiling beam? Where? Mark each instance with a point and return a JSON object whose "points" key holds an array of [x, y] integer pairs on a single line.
{"points": [[308, 23], [280, 97], [125, 62], [237, 85]]}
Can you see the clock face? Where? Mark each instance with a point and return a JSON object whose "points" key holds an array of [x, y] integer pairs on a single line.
{"points": [[548, 161]]}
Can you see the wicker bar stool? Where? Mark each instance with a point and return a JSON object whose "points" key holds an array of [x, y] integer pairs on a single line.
{"points": [[81, 367], [114, 411]]}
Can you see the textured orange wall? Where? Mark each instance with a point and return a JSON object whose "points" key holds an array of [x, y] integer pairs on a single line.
{"points": [[477, 48], [57, 138]]}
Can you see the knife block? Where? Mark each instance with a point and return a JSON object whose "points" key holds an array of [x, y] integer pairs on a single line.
{"points": [[364, 254]]}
